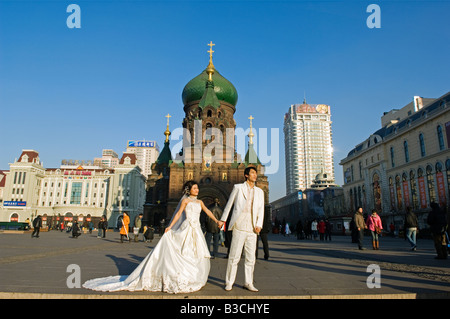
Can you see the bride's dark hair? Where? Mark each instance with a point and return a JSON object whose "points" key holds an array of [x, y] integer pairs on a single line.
{"points": [[187, 186]]}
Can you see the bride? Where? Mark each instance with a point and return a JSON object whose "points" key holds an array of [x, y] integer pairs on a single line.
{"points": [[179, 263]]}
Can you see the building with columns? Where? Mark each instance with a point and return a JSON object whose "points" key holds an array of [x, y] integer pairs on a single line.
{"points": [[406, 163], [71, 192]]}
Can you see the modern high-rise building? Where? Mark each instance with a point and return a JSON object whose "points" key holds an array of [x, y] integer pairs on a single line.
{"points": [[308, 145], [147, 153]]}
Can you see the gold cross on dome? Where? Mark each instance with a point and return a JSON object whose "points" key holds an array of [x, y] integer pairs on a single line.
{"points": [[168, 117], [210, 51], [250, 135], [251, 118]]}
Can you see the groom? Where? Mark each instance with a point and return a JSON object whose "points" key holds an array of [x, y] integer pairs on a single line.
{"points": [[246, 222]]}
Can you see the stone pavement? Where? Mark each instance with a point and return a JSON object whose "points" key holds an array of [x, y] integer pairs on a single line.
{"points": [[297, 269]]}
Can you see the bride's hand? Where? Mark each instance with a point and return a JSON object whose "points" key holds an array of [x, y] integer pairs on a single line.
{"points": [[167, 229]]}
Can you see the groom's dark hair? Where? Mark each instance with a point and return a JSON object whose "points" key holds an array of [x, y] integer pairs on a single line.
{"points": [[247, 171]]}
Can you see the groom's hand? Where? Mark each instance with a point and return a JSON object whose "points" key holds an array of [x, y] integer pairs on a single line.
{"points": [[257, 230]]}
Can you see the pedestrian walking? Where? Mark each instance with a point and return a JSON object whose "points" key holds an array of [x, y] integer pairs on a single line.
{"points": [[321, 229], [360, 226], [137, 227], [100, 228], [213, 230], [263, 235], [373, 223], [438, 225], [37, 224], [411, 227], [328, 228], [314, 226], [125, 227]]}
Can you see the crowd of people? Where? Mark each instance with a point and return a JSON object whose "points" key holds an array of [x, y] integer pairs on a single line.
{"points": [[315, 229]]}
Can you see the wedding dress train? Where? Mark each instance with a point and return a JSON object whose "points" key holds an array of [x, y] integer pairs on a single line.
{"points": [[179, 263]]}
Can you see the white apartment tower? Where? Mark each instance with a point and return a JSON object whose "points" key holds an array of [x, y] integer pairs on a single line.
{"points": [[308, 145], [146, 152]]}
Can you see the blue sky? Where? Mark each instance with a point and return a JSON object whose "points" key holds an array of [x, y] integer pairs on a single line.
{"points": [[69, 93]]}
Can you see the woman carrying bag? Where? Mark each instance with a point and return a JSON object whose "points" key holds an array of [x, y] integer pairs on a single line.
{"points": [[373, 222]]}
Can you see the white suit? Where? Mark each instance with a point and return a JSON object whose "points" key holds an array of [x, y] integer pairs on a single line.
{"points": [[248, 213]]}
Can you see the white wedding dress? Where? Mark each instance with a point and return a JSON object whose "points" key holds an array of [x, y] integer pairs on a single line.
{"points": [[179, 263]]}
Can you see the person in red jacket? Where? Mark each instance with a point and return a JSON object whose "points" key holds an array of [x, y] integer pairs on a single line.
{"points": [[373, 223], [321, 228]]}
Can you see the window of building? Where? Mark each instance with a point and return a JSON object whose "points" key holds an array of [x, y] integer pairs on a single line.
{"points": [[406, 150], [422, 145], [440, 136], [392, 157], [75, 198]]}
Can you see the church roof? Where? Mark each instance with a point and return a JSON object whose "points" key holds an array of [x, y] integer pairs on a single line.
{"points": [[195, 88], [251, 157], [165, 157], [209, 98]]}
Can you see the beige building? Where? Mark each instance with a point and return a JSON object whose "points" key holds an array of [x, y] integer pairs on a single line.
{"points": [[147, 153], [71, 192], [406, 163]]}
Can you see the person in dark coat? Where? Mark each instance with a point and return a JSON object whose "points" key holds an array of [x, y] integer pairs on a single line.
{"points": [[76, 230], [263, 234], [437, 220], [37, 224], [411, 226], [212, 230]]}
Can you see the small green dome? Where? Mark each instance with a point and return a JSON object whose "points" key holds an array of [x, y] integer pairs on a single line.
{"points": [[194, 90]]}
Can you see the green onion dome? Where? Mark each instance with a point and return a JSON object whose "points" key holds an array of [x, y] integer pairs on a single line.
{"points": [[194, 90]]}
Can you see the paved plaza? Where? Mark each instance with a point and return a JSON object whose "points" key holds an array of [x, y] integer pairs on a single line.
{"points": [[296, 269]]}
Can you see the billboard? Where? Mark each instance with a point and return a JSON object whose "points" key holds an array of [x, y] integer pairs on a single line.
{"points": [[141, 143], [14, 203]]}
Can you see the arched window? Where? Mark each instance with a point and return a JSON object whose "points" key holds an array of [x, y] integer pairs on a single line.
{"points": [[430, 183], [406, 150], [360, 170], [440, 136], [208, 131], [209, 113], [14, 217], [422, 145]]}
